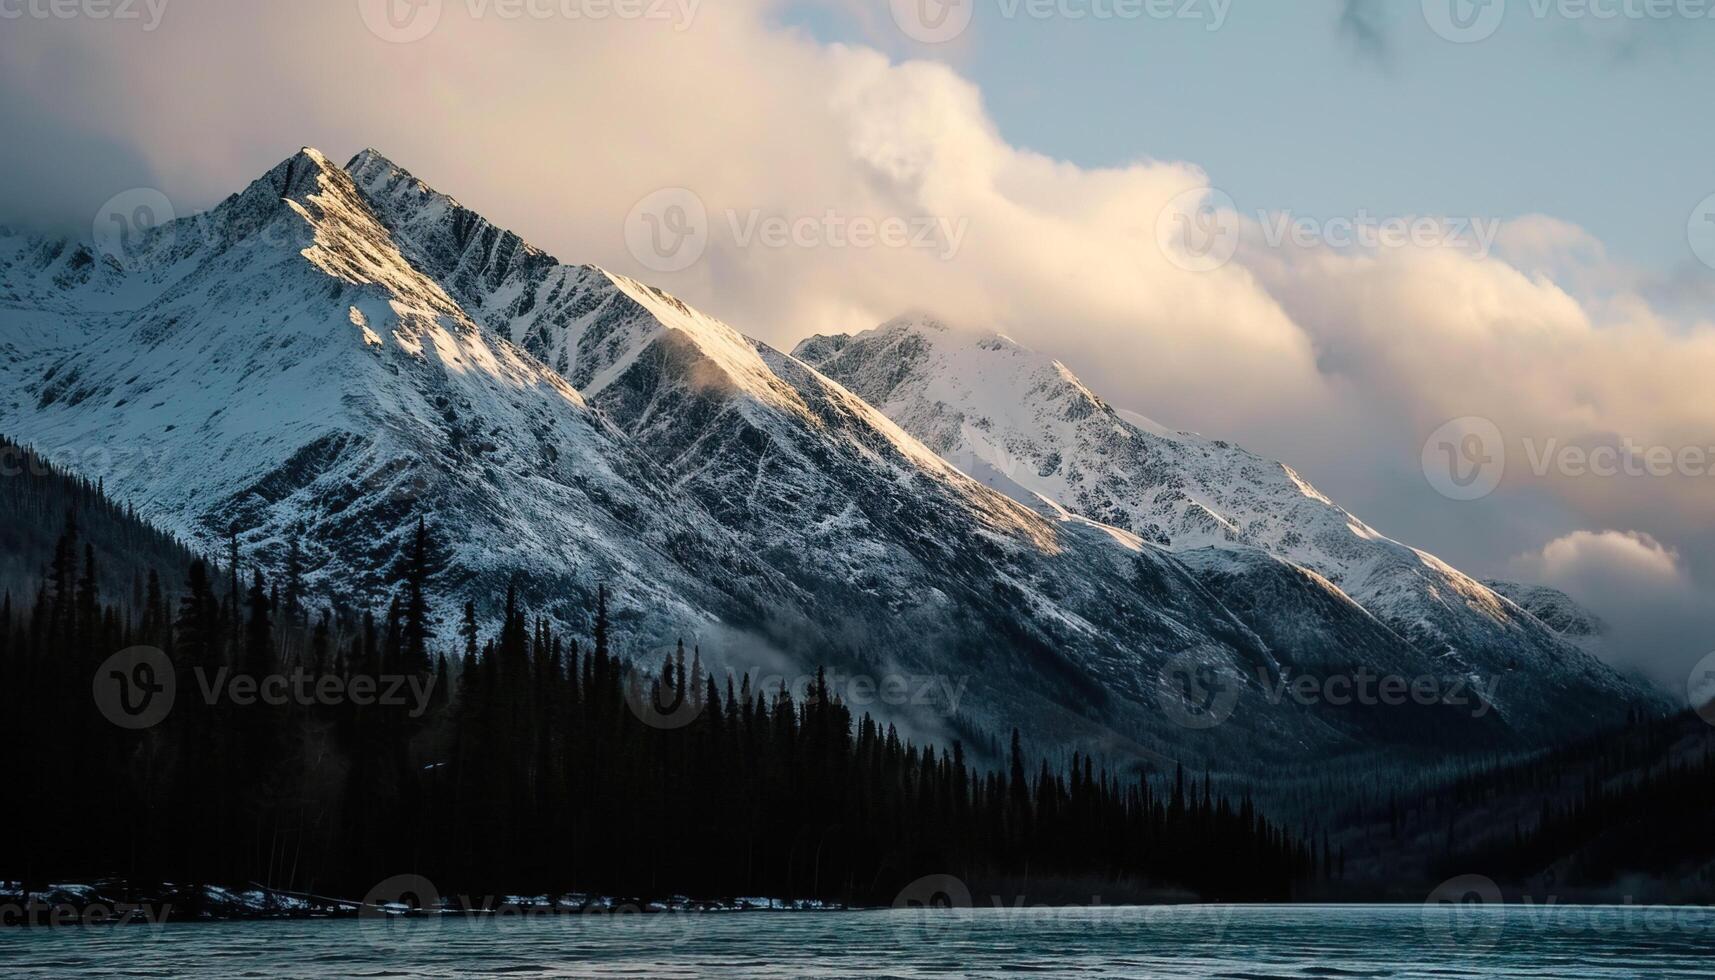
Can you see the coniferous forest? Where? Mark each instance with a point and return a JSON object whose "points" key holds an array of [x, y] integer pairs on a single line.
{"points": [[514, 760]]}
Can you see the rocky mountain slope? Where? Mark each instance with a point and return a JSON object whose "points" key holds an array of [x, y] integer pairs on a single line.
{"points": [[285, 368], [1557, 610], [334, 351], [1031, 429]]}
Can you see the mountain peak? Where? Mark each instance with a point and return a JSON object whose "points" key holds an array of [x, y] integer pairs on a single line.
{"points": [[317, 212], [370, 164], [297, 174], [294, 178], [917, 320], [369, 156], [939, 332], [342, 350]]}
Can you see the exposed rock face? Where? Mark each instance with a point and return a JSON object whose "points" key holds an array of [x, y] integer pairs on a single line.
{"points": [[1024, 424], [334, 351]]}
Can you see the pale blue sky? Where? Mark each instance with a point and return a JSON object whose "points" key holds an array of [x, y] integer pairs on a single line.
{"points": [[1325, 107]]}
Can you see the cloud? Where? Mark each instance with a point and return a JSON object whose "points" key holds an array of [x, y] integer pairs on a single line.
{"points": [[1417, 336], [1636, 584], [1542, 242], [556, 128], [1585, 558], [1338, 359]]}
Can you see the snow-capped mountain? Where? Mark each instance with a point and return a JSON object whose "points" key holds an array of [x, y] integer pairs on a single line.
{"points": [[1031, 429], [895, 555], [334, 351], [285, 367]]}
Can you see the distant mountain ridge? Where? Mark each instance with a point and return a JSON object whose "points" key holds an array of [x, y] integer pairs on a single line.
{"points": [[1033, 430], [1557, 610]]}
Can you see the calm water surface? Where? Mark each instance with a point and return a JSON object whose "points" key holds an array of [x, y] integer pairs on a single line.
{"points": [[1243, 942]]}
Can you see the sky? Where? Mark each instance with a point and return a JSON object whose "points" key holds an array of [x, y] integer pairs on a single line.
{"points": [[1450, 259]]}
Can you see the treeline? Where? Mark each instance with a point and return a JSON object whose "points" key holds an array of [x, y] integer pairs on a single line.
{"points": [[558, 778], [1633, 802], [526, 762], [34, 497], [1620, 813]]}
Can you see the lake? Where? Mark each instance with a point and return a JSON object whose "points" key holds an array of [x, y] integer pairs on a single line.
{"points": [[1249, 942]]}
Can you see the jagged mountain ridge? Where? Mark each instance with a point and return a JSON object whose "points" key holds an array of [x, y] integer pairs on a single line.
{"points": [[572, 317], [297, 372], [339, 350], [1557, 610], [286, 366], [890, 542], [1032, 429]]}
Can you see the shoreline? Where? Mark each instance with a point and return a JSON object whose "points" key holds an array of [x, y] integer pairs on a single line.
{"points": [[112, 903]]}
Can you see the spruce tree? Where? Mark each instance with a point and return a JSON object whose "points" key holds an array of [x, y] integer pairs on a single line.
{"points": [[258, 631], [292, 600], [417, 621]]}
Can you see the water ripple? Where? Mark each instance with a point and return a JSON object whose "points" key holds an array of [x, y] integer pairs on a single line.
{"points": [[1198, 942]]}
